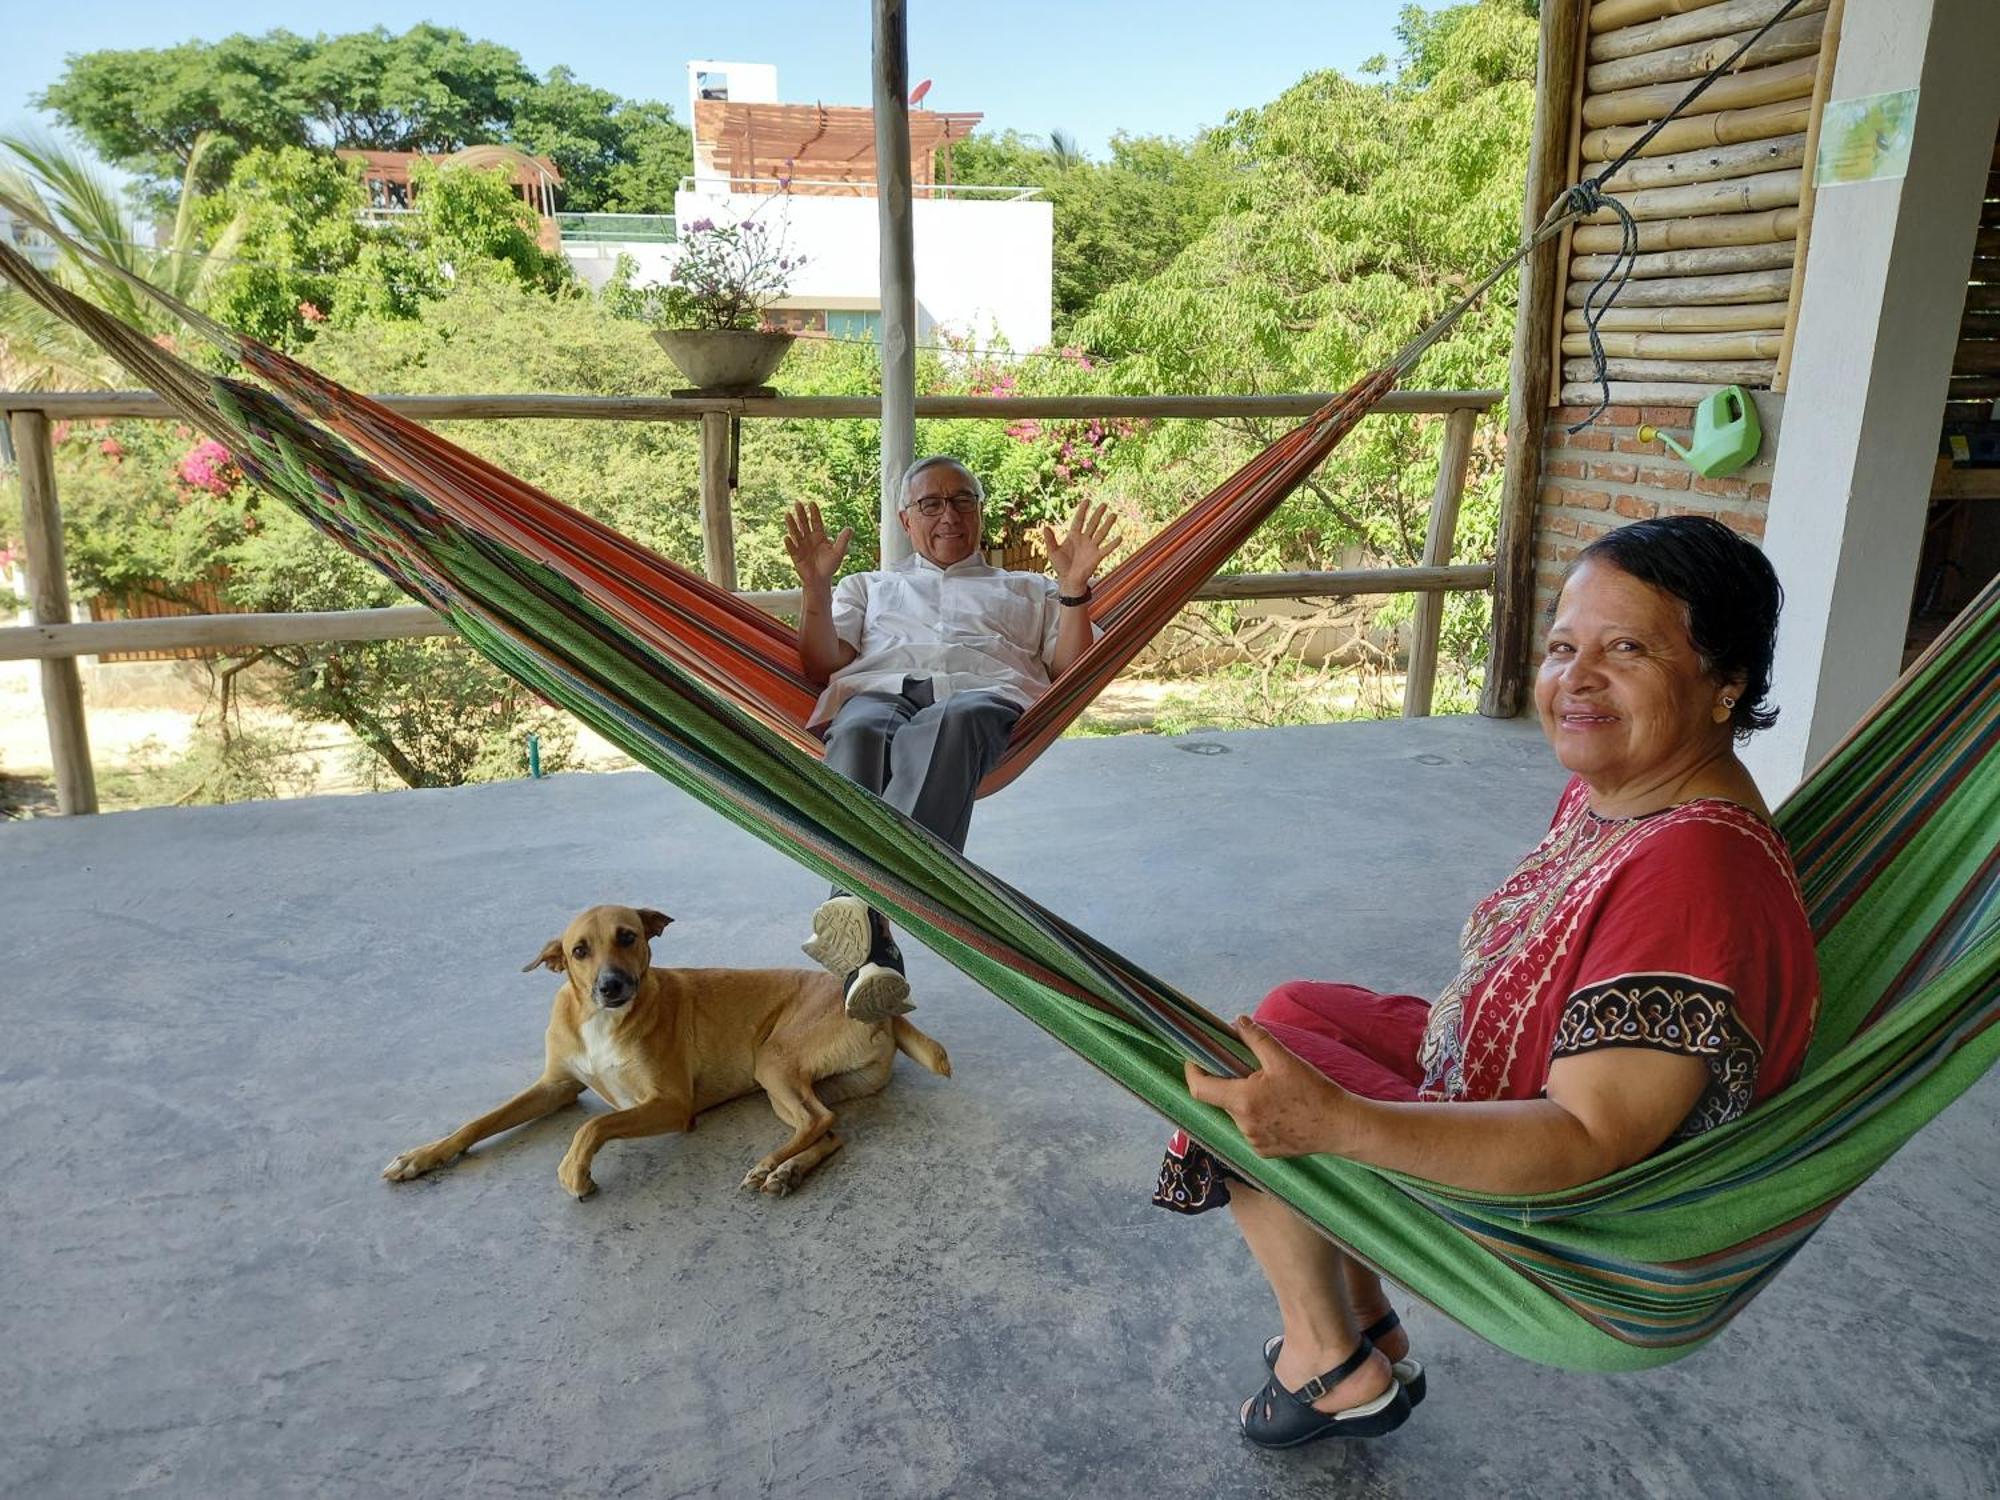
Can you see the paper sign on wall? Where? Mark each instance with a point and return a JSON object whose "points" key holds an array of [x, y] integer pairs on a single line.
{"points": [[1865, 139]]}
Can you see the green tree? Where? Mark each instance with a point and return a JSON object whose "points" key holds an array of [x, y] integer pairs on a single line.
{"points": [[304, 259], [616, 155], [1114, 221], [432, 89], [300, 233]]}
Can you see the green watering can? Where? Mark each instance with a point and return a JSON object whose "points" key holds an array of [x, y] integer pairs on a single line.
{"points": [[1726, 434]]}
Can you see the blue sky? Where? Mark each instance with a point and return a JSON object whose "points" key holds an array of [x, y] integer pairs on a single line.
{"points": [[1088, 67]]}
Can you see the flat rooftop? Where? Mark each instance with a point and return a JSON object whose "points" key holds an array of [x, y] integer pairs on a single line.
{"points": [[220, 1023]]}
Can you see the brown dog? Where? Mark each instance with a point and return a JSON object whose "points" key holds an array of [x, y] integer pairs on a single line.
{"points": [[662, 1045]]}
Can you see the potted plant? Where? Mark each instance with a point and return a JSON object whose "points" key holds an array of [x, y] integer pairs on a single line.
{"points": [[711, 309]]}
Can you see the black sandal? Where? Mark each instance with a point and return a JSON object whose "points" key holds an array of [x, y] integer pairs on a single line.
{"points": [[1278, 1418], [1409, 1372]]}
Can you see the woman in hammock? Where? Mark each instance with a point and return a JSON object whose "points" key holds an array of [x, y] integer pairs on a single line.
{"points": [[1645, 974]]}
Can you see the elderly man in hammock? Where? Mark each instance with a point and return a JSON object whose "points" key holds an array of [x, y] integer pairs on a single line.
{"points": [[926, 665]]}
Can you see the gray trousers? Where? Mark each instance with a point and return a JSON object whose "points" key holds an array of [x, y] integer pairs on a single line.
{"points": [[922, 757]]}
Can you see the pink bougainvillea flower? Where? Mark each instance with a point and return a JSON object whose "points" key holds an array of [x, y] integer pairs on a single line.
{"points": [[206, 467], [111, 448], [311, 313]]}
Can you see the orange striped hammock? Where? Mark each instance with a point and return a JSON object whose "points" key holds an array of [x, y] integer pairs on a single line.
{"points": [[743, 653]]}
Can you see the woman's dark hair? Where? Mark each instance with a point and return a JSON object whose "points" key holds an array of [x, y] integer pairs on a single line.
{"points": [[1730, 590]]}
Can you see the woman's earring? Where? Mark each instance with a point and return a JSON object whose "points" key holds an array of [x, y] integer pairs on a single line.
{"points": [[1729, 703]]}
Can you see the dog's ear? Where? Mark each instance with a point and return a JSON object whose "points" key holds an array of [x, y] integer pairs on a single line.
{"points": [[656, 921], [551, 957]]}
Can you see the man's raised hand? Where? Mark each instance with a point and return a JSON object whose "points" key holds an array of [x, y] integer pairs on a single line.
{"points": [[816, 555], [1075, 554]]}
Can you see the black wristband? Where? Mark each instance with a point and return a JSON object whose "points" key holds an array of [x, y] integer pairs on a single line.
{"points": [[1074, 601]]}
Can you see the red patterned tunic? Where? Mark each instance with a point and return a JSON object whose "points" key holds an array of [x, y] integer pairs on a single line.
{"points": [[1681, 930]]}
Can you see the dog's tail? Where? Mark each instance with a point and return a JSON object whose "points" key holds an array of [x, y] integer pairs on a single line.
{"points": [[921, 1049]]}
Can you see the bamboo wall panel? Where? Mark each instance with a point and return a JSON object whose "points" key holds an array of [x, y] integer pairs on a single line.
{"points": [[1693, 26], [1715, 195]]}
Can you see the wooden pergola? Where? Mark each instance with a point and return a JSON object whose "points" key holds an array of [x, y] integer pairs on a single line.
{"points": [[816, 149]]}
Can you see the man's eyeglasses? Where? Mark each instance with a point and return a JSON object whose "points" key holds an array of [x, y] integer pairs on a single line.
{"points": [[932, 506]]}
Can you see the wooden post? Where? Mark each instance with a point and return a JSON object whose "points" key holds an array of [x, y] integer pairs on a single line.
{"points": [[718, 521], [898, 262], [48, 586], [1439, 539], [1532, 374], [1829, 54]]}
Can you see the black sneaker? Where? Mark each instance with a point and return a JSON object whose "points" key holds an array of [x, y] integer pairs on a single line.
{"points": [[876, 989], [843, 934]]}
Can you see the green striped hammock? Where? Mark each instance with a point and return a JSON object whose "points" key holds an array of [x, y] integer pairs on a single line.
{"points": [[1894, 834]]}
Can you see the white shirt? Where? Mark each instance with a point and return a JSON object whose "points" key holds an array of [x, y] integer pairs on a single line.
{"points": [[968, 626]]}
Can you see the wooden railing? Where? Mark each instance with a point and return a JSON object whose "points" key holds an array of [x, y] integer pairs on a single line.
{"points": [[56, 642]]}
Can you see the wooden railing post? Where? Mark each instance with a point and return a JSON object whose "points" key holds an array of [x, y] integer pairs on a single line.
{"points": [[48, 588], [718, 520], [1439, 539]]}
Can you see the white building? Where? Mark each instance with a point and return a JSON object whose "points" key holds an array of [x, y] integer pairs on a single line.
{"points": [[33, 246], [984, 254]]}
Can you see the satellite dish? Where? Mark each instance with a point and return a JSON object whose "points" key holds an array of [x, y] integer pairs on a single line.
{"points": [[917, 93]]}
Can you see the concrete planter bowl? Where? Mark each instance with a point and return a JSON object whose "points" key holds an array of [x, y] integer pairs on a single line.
{"points": [[724, 360]]}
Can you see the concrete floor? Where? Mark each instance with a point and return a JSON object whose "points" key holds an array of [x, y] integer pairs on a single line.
{"points": [[222, 1022]]}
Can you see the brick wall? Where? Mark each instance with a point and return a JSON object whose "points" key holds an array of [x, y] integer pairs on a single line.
{"points": [[1603, 477]]}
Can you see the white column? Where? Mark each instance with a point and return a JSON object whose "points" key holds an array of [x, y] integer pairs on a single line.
{"points": [[1878, 325]]}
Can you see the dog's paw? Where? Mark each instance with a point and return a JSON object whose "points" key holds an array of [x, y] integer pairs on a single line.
{"points": [[415, 1163], [754, 1179], [575, 1179], [781, 1181]]}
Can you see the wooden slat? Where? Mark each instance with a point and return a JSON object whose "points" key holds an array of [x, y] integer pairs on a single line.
{"points": [[91, 405], [1639, 392], [1829, 54], [1698, 291], [1692, 132], [1440, 540], [1710, 164], [1761, 86], [1612, 15], [1975, 357], [1680, 345], [718, 520], [1794, 37], [1755, 315], [51, 643], [48, 600], [1717, 230], [1721, 260], [1752, 372], [1693, 26], [1737, 195]]}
